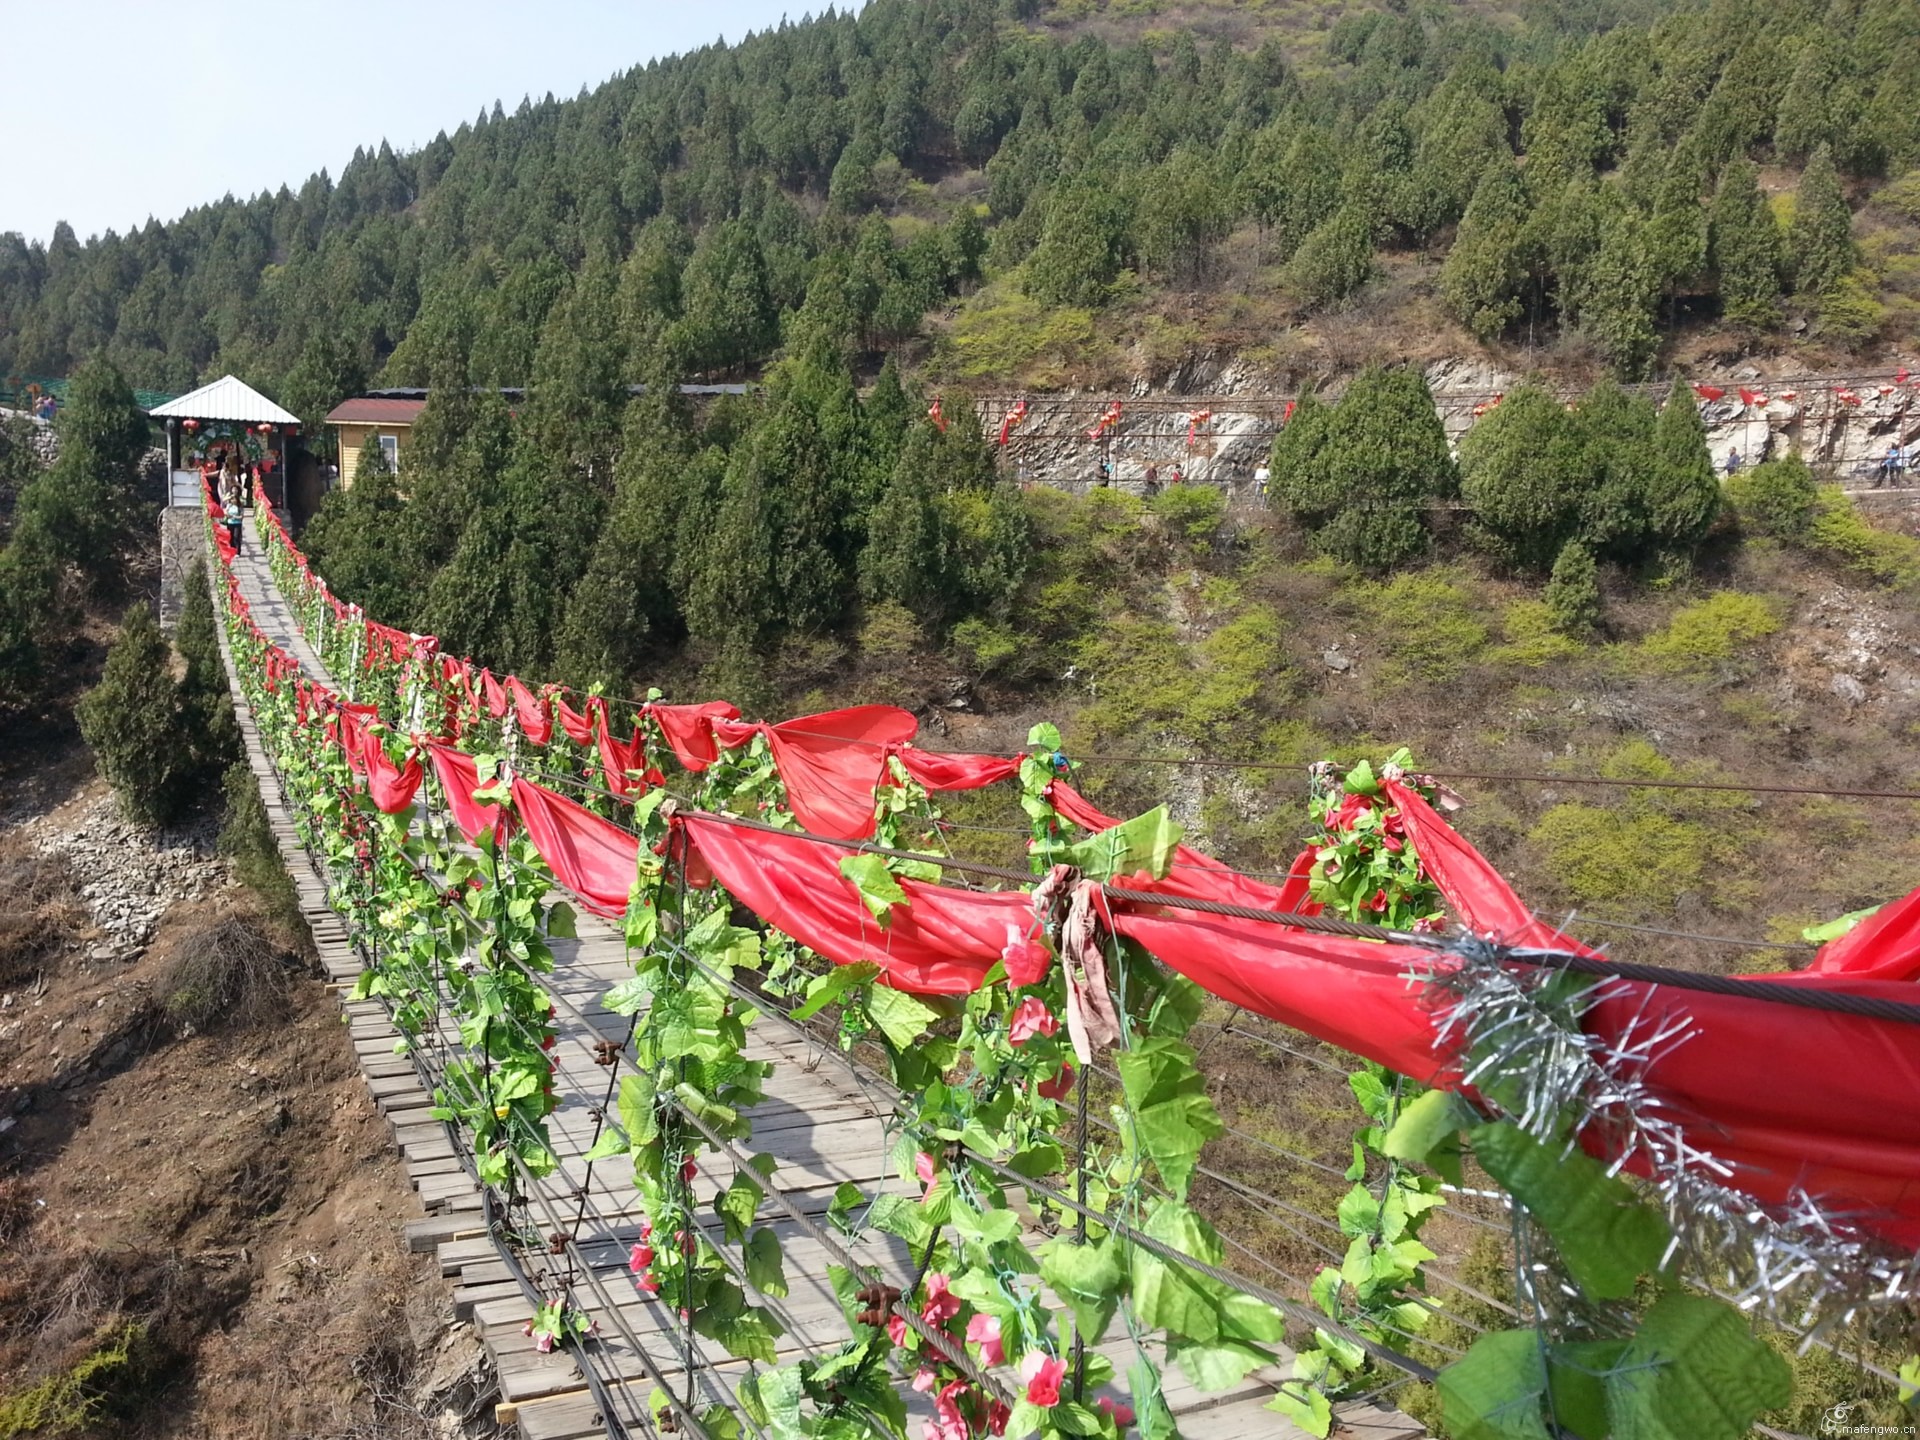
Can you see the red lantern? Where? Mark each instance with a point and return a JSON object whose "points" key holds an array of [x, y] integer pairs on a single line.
{"points": [[933, 414]]}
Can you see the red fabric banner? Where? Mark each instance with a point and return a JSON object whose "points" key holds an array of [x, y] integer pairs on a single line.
{"points": [[1193, 874], [1884, 946], [531, 712], [617, 757], [391, 786], [689, 730], [942, 942], [1708, 392], [459, 777], [593, 858], [495, 695], [579, 726], [1476, 893], [938, 771], [830, 763]]}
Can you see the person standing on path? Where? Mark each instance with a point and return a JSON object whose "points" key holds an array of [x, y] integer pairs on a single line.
{"points": [[230, 498]]}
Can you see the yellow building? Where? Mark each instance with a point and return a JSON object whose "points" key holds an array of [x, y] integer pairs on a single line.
{"points": [[372, 420]]}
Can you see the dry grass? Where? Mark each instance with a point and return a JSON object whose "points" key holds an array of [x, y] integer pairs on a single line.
{"points": [[39, 910], [226, 974]]}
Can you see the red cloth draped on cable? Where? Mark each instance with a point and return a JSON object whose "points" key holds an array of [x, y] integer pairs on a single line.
{"points": [[459, 777], [1883, 946], [391, 786], [593, 858], [939, 771], [617, 757], [829, 763], [495, 695], [1476, 893], [578, 725], [1194, 875], [689, 730], [531, 712], [941, 942]]}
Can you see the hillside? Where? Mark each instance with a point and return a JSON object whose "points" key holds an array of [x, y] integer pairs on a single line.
{"points": [[1075, 193]]}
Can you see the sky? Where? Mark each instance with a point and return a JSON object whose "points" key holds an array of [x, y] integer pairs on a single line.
{"points": [[116, 110]]}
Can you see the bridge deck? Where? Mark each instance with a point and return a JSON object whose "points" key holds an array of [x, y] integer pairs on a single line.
{"points": [[817, 1122]]}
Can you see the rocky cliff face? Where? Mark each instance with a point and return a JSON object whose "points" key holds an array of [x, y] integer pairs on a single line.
{"points": [[1215, 423]]}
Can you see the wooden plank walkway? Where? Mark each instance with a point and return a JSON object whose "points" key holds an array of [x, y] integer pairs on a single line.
{"points": [[816, 1121]]}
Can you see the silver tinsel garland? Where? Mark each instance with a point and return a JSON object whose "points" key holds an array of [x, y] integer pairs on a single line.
{"points": [[1799, 1264]]}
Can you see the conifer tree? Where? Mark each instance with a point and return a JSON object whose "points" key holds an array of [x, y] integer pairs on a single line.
{"points": [[1335, 260], [1805, 121], [1526, 471], [1486, 268], [1620, 294], [1745, 248], [131, 722], [1820, 240], [1684, 498], [206, 701], [1573, 591]]}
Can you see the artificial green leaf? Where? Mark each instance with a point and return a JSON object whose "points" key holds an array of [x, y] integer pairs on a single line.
{"points": [[724, 945], [720, 1423], [637, 1113], [900, 1016], [1359, 1212], [897, 1215], [1038, 1160], [1173, 1117], [991, 1227], [1909, 1380], [1044, 736], [823, 990], [1835, 928], [1150, 1412], [765, 1271], [1146, 842], [738, 1204], [1607, 1236], [1248, 1318], [1576, 1384], [877, 888], [1174, 1297], [1424, 1123], [1339, 1350], [1373, 1093], [611, 1142], [1220, 1364], [561, 922], [1087, 1278], [748, 1335], [1309, 1409], [1361, 780], [1694, 1370], [1495, 1390]]}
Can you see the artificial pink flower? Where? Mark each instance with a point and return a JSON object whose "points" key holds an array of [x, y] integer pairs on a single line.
{"points": [[640, 1258], [1059, 1087], [923, 1166], [649, 1284], [527, 1329], [689, 1170], [1379, 902], [946, 1406], [897, 1330], [646, 1229], [941, 1304], [543, 1342], [1043, 1374], [1027, 960], [1350, 811], [1121, 1412], [923, 1382], [984, 1331], [997, 1416], [1030, 1018]]}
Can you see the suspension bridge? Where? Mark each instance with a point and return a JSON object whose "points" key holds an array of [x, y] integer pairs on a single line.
{"points": [[825, 1120]]}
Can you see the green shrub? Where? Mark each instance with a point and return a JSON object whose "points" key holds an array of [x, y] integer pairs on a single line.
{"points": [[1193, 512], [72, 1401], [1427, 623], [246, 839], [1711, 631], [1850, 314], [132, 722], [1573, 591], [1532, 638], [1635, 857], [1776, 499], [1881, 555]]}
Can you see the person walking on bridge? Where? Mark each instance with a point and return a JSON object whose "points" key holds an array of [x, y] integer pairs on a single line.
{"points": [[230, 497]]}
